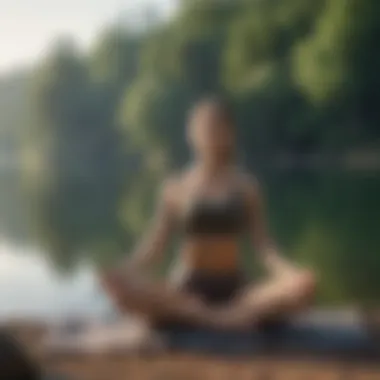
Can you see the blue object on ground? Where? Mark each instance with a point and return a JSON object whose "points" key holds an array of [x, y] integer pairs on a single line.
{"points": [[310, 339]]}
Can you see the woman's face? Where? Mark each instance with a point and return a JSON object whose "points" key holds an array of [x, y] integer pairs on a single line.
{"points": [[211, 133]]}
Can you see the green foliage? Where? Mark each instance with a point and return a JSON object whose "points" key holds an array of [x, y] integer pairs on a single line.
{"points": [[78, 204], [114, 58]]}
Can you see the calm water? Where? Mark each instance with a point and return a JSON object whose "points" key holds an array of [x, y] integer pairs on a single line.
{"points": [[330, 221], [29, 287]]}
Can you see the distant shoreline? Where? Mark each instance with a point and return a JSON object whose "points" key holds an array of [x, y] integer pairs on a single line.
{"points": [[367, 160]]}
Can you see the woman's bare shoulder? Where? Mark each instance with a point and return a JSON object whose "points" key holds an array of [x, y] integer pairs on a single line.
{"points": [[174, 184]]}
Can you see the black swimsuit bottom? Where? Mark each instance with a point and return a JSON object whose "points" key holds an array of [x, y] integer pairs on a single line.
{"points": [[213, 289]]}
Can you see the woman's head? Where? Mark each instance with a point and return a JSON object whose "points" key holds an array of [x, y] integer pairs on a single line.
{"points": [[211, 129]]}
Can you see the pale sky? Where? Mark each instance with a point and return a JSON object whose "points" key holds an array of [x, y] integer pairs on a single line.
{"points": [[28, 26]]}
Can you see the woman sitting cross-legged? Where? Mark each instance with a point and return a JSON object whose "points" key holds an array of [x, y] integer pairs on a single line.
{"points": [[211, 204]]}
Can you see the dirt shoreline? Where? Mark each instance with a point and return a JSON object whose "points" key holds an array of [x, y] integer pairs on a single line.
{"points": [[183, 367]]}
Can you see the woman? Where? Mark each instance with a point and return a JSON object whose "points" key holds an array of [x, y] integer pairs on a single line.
{"points": [[212, 204]]}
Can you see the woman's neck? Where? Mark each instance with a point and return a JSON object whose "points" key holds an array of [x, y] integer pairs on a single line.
{"points": [[212, 168]]}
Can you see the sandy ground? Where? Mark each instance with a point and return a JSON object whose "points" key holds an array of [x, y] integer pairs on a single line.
{"points": [[184, 367], [191, 368]]}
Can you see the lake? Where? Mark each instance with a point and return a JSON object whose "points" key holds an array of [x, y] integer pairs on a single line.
{"points": [[29, 287], [327, 220]]}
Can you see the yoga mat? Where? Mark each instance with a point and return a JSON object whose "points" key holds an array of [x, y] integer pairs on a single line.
{"points": [[330, 340]]}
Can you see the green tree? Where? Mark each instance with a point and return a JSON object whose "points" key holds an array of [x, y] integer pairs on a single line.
{"points": [[337, 67], [83, 159]]}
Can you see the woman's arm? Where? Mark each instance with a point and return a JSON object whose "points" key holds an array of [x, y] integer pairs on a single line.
{"points": [[261, 240], [154, 242]]}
